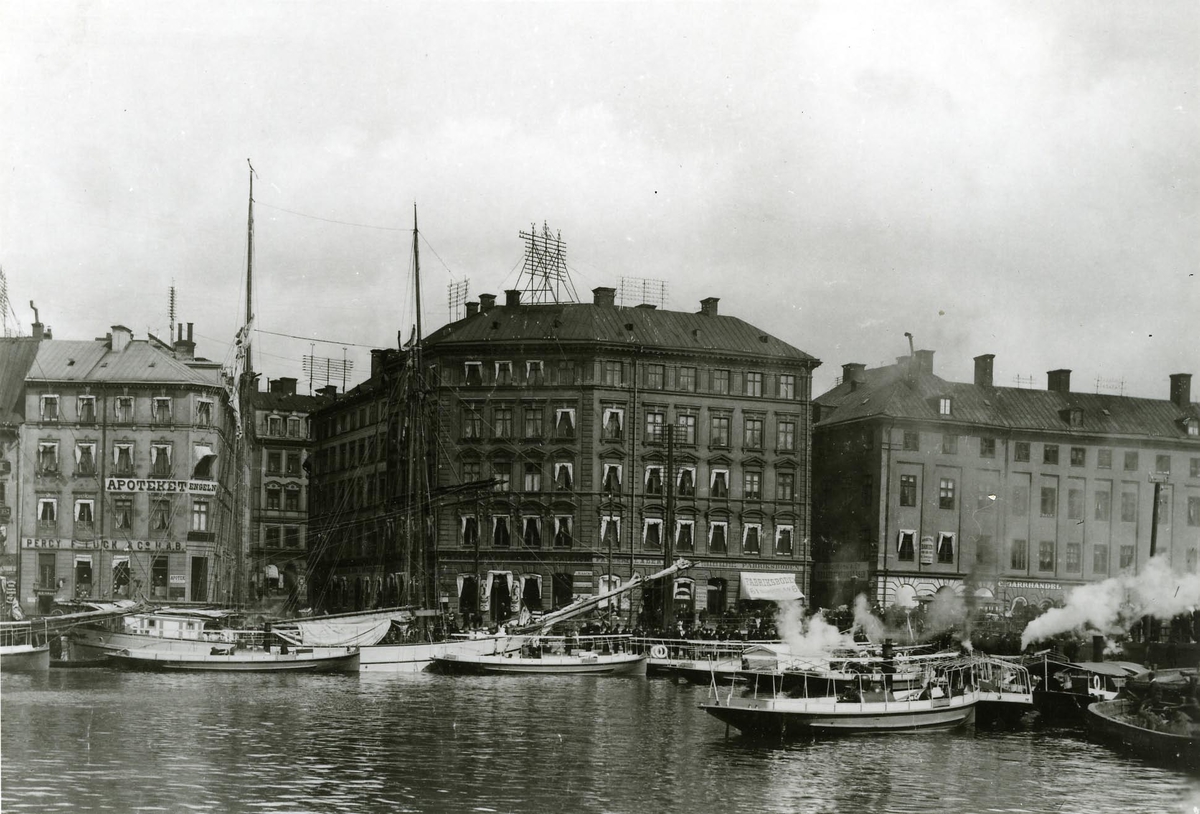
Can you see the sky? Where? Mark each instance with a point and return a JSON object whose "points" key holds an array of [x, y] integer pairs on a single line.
{"points": [[1015, 178]]}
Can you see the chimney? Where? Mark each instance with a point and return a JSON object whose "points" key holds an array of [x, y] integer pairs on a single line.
{"points": [[924, 361], [983, 369], [38, 332], [185, 348], [1097, 648], [328, 391], [1181, 390], [284, 386], [854, 372], [377, 357], [472, 309], [708, 306], [487, 302], [120, 338], [647, 306], [1058, 381], [605, 297], [512, 298]]}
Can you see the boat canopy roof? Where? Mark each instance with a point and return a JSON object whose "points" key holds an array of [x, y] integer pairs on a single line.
{"points": [[1105, 668]]}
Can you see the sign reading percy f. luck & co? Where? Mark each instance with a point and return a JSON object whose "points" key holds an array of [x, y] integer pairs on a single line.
{"points": [[161, 487]]}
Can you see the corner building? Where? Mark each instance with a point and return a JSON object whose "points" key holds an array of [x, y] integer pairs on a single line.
{"points": [[560, 412], [924, 485]]}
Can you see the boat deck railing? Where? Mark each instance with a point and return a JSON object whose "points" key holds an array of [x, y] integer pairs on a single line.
{"points": [[694, 649]]}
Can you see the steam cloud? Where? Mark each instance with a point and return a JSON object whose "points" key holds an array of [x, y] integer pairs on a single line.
{"points": [[813, 637], [1115, 604]]}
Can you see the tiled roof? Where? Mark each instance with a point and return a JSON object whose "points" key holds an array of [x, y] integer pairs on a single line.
{"points": [[16, 357], [889, 392], [587, 323], [60, 360]]}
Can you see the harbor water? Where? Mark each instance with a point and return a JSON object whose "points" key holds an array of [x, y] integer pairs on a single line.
{"points": [[105, 740]]}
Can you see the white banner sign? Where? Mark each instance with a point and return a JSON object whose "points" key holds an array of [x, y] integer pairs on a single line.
{"points": [[770, 586], [161, 487]]}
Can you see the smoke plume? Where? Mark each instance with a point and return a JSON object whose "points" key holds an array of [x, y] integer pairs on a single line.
{"points": [[813, 637]]}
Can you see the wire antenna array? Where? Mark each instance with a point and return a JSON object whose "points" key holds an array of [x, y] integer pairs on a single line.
{"points": [[642, 291], [457, 294], [544, 275]]}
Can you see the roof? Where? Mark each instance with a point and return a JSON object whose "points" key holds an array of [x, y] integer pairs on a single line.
{"points": [[16, 358], [889, 392], [66, 360], [287, 402], [649, 328]]}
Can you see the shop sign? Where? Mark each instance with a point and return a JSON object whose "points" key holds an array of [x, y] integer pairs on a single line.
{"points": [[104, 545], [1038, 586], [178, 579], [841, 570], [161, 487], [926, 551]]}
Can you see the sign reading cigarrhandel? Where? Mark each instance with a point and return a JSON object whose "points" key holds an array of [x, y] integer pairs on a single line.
{"points": [[161, 487]]}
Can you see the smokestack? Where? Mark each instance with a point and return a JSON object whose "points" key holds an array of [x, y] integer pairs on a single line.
{"points": [[377, 356], [708, 306], [854, 372], [925, 361], [472, 309], [37, 325], [1058, 381], [512, 298], [487, 302], [983, 369], [604, 297], [1097, 648], [1181, 390]]}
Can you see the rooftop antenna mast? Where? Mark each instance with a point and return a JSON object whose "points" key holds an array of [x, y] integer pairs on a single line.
{"points": [[171, 309], [4, 306], [544, 275]]}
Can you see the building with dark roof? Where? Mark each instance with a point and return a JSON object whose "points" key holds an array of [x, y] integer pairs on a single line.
{"points": [[558, 415], [1011, 495], [16, 358]]}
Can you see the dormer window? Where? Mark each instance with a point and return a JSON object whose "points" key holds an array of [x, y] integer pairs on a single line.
{"points": [[1073, 416], [49, 408], [1191, 426], [944, 405]]}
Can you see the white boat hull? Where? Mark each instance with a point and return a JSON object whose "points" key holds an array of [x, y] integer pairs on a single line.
{"points": [[24, 658], [784, 716], [583, 664], [417, 658]]}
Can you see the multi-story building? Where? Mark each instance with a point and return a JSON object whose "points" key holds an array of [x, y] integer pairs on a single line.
{"points": [[1013, 495], [562, 412], [279, 520], [16, 358], [122, 486]]}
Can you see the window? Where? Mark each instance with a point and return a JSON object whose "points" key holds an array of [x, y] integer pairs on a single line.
{"points": [[785, 486], [274, 462], [946, 493], [85, 459], [291, 498], [533, 478], [474, 373], [654, 377], [720, 381], [1021, 451], [533, 372], [1074, 562], [563, 476], [686, 433], [1049, 501], [470, 530], [1103, 505], [610, 374], [945, 547], [718, 531], [944, 406], [685, 485], [564, 372], [85, 406], [1100, 558], [684, 534], [161, 409], [785, 436], [501, 538], [1078, 456], [1019, 555], [1104, 459], [293, 464], [610, 531], [1162, 464], [502, 476], [908, 490], [1131, 461], [752, 485], [613, 423], [502, 419], [949, 444], [1046, 555], [751, 534], [719, 434], [1193, 511], [564, 422], [531, 532], [1050, 454], [1129, 507], [274, 495], [906, 546], [123, 410], [752, 433], [654, 426], [533, 422], [274, 425], [291, 536], [199, 515], [1164, 507], [1126, 556], [719, 484], [160, 514], [160, 460], [754, 383], [687, 379], [503, 374], [123, 459], [49, 408], [912, 441], [987, 447], [471, 472], [1195, 468], [652, 532], [85, 511], [47, 511], [47, 457], [787, 386], [472, 423], [654, 483], [122, 512], [783, 541], [1074, 504], [1020, 501], [612, 478]]}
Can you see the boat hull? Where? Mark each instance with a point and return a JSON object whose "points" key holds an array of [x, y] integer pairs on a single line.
{"points": [[417, 658], [616, 664], [241, 662], [1110, 722], [24, 658], [785, 718]]}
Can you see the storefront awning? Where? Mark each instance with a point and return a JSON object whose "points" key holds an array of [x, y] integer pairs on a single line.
{"points": [[770, 586]]}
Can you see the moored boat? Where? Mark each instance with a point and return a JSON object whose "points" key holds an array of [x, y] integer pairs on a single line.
{"points": [[552, 655], [230, 659], [1156, 716], [24, 647], [1063, 690]]}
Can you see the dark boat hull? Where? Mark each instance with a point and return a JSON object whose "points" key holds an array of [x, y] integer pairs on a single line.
{"points": [[1112, 723]]}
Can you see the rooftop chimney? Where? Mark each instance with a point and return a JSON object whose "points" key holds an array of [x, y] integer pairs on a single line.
{"points": [[708, 306], [854, 372], [924, 361], [120, 338], [1181, 390], [284, 386], [983, 369], [328, 391], [472, 309], [377, 357], [1058, 381], [487, 302], [185, 348], [37, 325], [606, 297], [512, 298]]}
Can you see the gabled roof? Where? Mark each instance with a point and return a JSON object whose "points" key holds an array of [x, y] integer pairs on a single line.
{"points": [[652, 329], [65, 360], [890, 392], [16, 358]]}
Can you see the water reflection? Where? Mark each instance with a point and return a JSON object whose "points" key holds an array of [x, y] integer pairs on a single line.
{"points": [[102, 740]]}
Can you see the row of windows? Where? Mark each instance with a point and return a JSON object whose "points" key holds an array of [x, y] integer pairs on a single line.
{"points": [[287, 427], [283, 498], [530, 530], [1075, 456], [161, 459], [1018, 559], [281, 536], [159, 519], [162, 410], [281, 463], [563, 480], [364, 450]]}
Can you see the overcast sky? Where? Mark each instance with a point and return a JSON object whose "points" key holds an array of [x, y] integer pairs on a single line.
{"points": [[1011, 178]]}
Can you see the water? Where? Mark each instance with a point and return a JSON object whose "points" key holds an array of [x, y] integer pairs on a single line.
{"points": [[104, 740]]}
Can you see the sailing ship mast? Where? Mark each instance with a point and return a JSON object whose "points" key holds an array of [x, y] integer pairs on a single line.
{"points": [[245, 415]]}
